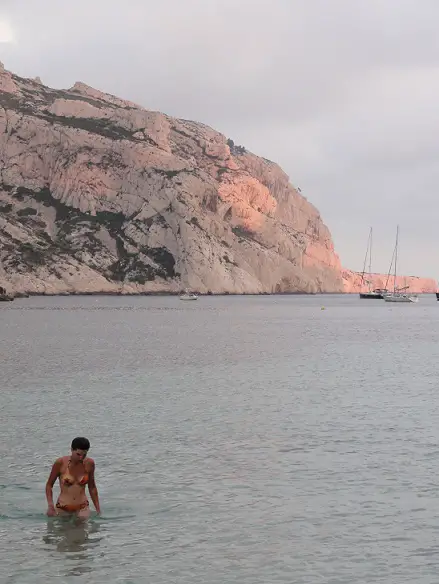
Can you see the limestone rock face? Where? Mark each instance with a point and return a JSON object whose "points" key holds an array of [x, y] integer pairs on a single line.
{"points": [[98, 194]]}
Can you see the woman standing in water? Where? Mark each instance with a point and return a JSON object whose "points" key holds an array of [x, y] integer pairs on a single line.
{"points": [[74, 473]]}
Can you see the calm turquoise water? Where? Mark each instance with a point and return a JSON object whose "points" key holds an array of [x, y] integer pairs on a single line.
{"points": [[253, 440]]}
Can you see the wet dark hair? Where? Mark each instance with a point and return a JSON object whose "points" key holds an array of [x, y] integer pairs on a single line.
{"points": [[80, 443]]}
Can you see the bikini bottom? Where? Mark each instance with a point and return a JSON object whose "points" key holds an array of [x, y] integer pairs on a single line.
{"points": [[73, 508]]}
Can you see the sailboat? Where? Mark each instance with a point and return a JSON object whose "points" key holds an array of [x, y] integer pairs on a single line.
{"points": [[397, 295], [188, 296], [377, 293]]}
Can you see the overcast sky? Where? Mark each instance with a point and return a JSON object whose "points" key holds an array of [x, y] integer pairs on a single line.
{"points": [[343, 94]]}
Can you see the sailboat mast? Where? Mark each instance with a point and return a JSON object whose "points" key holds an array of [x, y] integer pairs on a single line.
{"points": [[370, 261], [365, 259], [396, 257]]}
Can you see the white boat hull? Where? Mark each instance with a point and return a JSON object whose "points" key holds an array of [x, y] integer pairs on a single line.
{"points": [[400, 298], [192, 297]]}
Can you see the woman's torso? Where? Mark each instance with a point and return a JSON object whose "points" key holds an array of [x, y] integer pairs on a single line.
{"points": [[72, 481]]}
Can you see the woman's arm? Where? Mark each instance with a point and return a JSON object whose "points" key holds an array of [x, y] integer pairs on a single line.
{"points": [[93, 490], [54, 474]]}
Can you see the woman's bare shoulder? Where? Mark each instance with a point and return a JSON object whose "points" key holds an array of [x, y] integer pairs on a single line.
{"points": [[61, 462], [57, 467]]}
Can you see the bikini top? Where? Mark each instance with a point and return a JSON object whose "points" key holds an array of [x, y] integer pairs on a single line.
{"points": [[68, 479]]}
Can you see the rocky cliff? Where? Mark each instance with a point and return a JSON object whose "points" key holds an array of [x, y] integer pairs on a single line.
{"points": [[100, 195]]}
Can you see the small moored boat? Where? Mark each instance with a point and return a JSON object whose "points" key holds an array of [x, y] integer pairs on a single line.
{"points": [[397, 295], [371, 294], [188, 296]]}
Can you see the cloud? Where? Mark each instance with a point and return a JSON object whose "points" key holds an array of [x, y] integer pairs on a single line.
{"points": [[342, 93]]}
